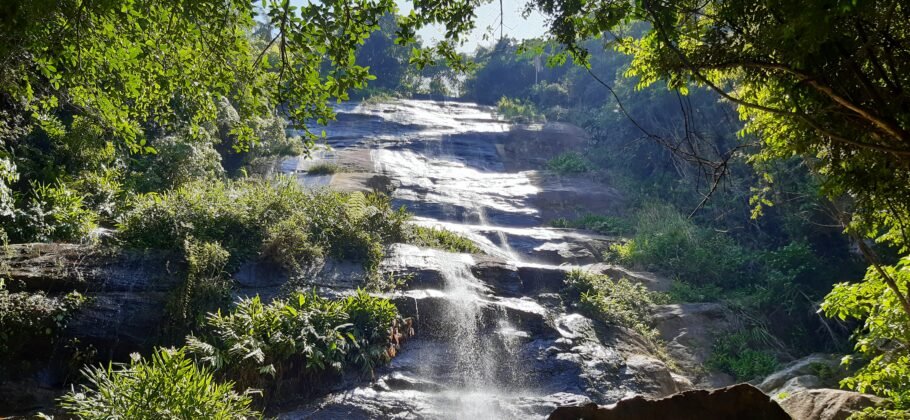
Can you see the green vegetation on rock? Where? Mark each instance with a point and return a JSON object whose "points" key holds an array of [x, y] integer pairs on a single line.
{"points": [[30, 325], [516, 110], [606, 225], [166, 385], [743, 354], [621, 301], [442, 239], [262, 345]]}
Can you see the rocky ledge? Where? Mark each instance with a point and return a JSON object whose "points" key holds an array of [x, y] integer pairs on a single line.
{"points": [[743, 402]]}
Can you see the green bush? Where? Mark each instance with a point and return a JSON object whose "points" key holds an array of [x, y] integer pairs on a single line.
{"points": [[207, 285], [442, 239], [168, 386], [324, 168], [218, 225], [260, 344], [178, 159], [880, 413], [666, 241], [234, 213], [742, 355], [518, 111], [621, 302], [30, 324], [288, 243], [685, 292], [883, 339], [605, 225], [569, 163], [55, 212]]}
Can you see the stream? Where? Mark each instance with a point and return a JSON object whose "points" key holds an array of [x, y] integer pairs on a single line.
{"points": [[494, 338]]}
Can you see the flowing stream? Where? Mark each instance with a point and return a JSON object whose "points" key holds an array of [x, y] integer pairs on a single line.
{"points": [[494, 339]]}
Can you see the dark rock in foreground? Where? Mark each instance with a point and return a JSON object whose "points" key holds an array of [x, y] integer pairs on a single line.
{"points": [[741, 402]]}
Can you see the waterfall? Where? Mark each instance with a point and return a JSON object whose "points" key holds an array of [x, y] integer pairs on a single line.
{"points": [[484, 348]]}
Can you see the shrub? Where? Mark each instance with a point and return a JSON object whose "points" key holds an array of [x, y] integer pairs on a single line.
{"points": [[291, 339], [741, 354], [518, 111], [54, 213], [178, 159], [883, 340], [168, 386], [621, 302], [288, 243], [207, 285], [324, 168], [442, 239], [667, 241], [605, 225], [880, 413], [235, 214], [30, 323], [569, 163], [685, 292], [217, 226]]}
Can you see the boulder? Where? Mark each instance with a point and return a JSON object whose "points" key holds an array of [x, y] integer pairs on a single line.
{"points": [[741, 402], [689, 330], [649, 280], [497, 273], [542, 278], [813, 371], [827, 404], [564, 252]]}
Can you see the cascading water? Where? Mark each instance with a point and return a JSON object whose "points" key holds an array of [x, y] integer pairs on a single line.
{"points": [[478, 375], [486, 347]]}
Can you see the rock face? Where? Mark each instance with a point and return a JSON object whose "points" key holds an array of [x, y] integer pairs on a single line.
{"points": [[741, 402], [127, 289], [827, 404], [689, 329]]}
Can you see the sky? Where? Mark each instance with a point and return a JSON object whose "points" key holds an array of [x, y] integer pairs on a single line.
{"points": [[487, 16], [514, 25]]}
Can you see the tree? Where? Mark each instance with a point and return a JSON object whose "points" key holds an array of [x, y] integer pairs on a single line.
{"points": [[135, 72], [387, 60], [824, 80]]}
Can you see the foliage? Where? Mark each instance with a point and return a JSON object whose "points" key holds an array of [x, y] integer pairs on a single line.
{"points": [[168, 385], [569, 163], [180, 158], [54, 212], [442, 239], [385, 58], [681, 291], [518, 111], [606, 225], [883, 340], [216, 226], [741, 354], [324, 169], [304, 335], [31, 322], [289, 244], [668, 242], [880, 413], [207, 286], [233, 213], [622, 302]]}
